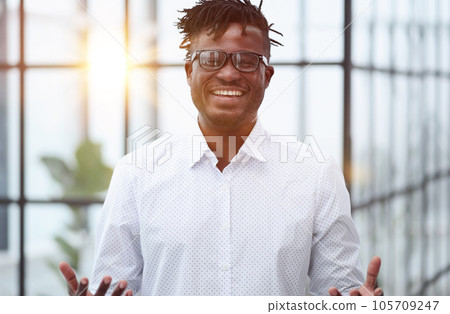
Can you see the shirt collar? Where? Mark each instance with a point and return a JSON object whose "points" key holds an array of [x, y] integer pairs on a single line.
{"points": [[200, 148]]}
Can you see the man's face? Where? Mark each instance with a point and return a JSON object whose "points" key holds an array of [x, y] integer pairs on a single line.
{"points": [[209, 88]]}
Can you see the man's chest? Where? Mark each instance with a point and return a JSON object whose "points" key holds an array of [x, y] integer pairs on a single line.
{"points": [[238, 215]]}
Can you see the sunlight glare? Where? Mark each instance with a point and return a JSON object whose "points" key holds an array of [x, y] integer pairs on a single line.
{"points": [[108, 65]]}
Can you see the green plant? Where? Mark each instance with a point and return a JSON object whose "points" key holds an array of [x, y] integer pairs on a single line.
{"points": [[85, 179]]}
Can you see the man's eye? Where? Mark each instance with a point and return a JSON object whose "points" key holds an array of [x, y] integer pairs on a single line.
{"points": [[209, 62], [246, 63]]}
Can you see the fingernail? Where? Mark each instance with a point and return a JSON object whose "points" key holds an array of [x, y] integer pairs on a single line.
{"points": [[333, 293], [122, 285], [107, 281], [84, 281]]}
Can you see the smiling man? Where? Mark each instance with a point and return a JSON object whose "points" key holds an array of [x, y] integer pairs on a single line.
{"points": [[228, 82], [224, 220]]}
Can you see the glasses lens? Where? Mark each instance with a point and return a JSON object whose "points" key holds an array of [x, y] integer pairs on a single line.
{"points": [[212, 60], [245, 61]]}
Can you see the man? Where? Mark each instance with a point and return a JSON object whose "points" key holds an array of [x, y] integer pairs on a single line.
{"points": [[228, 217]]}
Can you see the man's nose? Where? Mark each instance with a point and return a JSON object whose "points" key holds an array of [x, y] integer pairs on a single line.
{"points": [[228, 72]]}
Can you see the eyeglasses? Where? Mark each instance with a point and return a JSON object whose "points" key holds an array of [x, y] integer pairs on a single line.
{"points": [[242, 61]]}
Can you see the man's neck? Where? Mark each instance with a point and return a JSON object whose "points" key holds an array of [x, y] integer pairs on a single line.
{"points": [[225, 142]]}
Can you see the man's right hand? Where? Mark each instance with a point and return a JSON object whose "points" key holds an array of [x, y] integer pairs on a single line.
{"points": [[81, 288]]}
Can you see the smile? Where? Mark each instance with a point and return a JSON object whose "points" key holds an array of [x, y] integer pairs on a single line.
{"points": [[227, 93]]}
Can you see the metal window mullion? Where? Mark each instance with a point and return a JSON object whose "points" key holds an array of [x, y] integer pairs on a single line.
{"points": [[390, 205], [409, 28], [127, 78], [423, 127], [77, 202], [302, 90], [85, 84], [438, 215], [347, 115], [3, 128], [371, 141], [154, 57], [22, 202], [448, 165]]}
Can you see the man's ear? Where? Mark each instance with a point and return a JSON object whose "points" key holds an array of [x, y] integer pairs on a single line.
{"points": [[188, 70], [269, 73]]}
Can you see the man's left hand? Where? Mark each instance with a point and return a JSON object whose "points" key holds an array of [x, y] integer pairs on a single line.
{"points": [[369, 287]]}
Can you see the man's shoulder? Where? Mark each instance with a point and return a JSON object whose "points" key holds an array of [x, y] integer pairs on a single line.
{"points": [[297, 152]]}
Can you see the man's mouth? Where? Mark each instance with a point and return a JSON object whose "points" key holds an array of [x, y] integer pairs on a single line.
{"points": [[234, 93]]}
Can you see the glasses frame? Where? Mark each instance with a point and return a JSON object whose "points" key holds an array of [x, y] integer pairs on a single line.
{"points": [[230, 55]]}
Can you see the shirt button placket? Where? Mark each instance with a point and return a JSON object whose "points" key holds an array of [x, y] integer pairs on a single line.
{"points": [[225, 238]]}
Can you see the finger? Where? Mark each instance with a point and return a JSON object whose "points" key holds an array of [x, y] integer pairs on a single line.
{"points": [[372, 272], [333, 291], [129, 293], [69, 275], [378, 292], [104, 286], [120, 288], [355, 293], [83, 287]]}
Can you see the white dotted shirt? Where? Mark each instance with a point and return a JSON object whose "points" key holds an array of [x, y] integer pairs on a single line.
{"points": [[179, 226]]}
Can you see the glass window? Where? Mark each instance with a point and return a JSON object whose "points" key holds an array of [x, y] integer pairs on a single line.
{"points": [[143, 101], [53, 96], [9, 31], [168, 37], [324, 111], [67, 236], [284, 101], [54, 32], [291, 20], [81, 85], [324, 25], [9, 254], [176, 112], [9, 131], [400, 129]]}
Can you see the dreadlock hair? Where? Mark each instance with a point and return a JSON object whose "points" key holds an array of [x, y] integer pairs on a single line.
{"points": [[216, 15]]}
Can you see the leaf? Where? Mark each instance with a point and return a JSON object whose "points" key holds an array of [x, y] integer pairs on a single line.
{"points": [[79, 220], [91, 174], [69, 250], [59, 171]]}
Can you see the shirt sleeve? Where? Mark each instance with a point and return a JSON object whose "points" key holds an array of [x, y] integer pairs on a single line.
{"points": [[117, 247], [335, 247]]}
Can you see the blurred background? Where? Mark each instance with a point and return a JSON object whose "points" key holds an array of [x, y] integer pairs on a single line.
{"points": [[376, 97]]}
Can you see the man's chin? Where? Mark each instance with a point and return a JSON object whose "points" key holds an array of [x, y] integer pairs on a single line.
{"points": [[228, 119]]}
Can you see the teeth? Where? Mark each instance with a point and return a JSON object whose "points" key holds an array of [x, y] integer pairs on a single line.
{"points": [[227, 93]]}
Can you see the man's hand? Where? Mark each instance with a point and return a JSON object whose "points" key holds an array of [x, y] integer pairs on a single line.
{"points": [[369, 287], [81, 289]]}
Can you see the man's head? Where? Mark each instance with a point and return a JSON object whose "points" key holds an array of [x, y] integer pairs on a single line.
{"points": [[226, 65], [215, 16]]}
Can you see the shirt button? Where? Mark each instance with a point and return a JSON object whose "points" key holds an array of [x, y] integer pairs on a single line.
{"points": [[225, 187], [226, 226], [225, 267]]}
